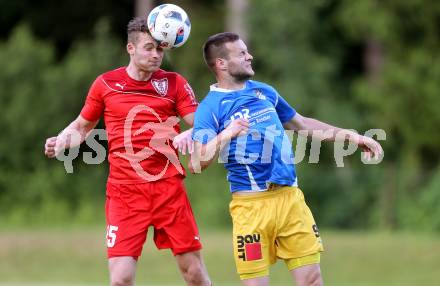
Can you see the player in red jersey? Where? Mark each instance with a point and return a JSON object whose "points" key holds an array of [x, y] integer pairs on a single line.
{"points": [[141, 104]]}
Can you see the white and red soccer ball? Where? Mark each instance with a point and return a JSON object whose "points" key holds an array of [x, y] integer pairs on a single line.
{"points": [[169, 25]]}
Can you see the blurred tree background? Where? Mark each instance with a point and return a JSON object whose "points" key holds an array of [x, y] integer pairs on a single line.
{"points": [[357, 64]]}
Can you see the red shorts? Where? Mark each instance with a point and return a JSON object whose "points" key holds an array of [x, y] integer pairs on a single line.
{"points": [[131, 209]]}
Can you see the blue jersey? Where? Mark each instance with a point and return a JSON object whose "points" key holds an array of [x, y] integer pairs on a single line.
{"points": [[262, 156]]}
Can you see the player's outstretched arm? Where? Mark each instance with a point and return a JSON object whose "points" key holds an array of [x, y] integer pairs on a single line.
{"points": [[323, 131], [73, 135], [189, 119], [183, 142], [205, 154]]}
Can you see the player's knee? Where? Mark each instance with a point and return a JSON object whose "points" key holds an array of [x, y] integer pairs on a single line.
{"points": [[122, 279], [315, 279], [312, 278], [195, 275]]}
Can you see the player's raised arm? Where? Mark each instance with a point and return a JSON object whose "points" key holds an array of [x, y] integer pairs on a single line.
{"points": [[323, 131], [73, 135]]}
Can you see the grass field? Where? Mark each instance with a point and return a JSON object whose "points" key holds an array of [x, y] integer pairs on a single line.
{"points": [[77, 257]]}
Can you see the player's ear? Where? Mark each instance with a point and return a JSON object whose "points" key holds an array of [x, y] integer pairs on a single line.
{"points": [[221, 64], [130, 48]]}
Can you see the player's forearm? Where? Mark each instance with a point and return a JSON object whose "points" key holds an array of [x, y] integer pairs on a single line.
{"points": [[74, 134], [324, 131], [205, 154], [196, 165]]}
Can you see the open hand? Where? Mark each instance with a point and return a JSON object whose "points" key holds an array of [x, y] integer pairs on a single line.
{"points": [[184, 143]]}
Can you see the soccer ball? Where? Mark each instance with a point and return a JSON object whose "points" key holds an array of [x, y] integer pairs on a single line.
{"points": [[169, 25]]}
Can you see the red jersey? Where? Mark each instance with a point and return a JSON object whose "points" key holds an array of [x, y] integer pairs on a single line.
{"points": [[141, 121]]}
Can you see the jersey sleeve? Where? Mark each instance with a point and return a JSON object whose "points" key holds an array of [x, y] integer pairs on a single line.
{"points": [[185, 99], [284, 110], [94, 105], [206, 125]]}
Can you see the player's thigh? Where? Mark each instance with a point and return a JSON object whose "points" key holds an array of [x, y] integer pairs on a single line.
{"points": [[173, 219], [192, 259], [260, 281], [188, 258], [253, 235], [307, 275], [126, 224], [298, 234], [122, 268]]}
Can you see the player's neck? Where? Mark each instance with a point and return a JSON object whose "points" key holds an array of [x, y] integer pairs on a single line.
{"points": [[230, 84], [137, 74]]}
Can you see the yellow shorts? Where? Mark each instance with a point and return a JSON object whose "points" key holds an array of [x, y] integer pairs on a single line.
{"points": [[270, 225]]}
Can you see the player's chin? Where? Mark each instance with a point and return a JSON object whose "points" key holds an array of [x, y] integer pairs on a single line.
{"points": [[244, 75], [154, 68], [249, 72], [151, 67]]}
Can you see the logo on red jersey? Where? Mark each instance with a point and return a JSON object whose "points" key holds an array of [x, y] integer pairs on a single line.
{"points": [[120, 85], [160, 85]]}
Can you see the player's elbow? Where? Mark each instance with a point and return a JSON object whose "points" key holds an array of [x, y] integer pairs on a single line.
{"points": [[196, 166], [297, 123], [191, 168]]}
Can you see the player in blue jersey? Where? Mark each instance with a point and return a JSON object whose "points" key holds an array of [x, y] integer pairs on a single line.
{"points": [[244, 122]]}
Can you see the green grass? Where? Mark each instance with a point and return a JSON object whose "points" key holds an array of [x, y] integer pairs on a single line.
{"points": [[78, 257]]}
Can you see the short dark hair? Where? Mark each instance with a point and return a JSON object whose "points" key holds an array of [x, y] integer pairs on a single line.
{"points": [[214, 47], [135, 26]]}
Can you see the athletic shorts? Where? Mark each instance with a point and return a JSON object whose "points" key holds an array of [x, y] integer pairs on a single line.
{"points": [[132, 208], [270, 225]]}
